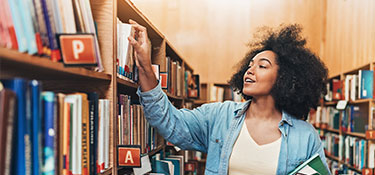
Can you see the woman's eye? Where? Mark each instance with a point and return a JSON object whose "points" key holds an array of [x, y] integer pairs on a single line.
{"points": [[262, 66]]}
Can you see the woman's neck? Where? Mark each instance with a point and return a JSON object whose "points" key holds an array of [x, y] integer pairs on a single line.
{"points": [[263, 108]]}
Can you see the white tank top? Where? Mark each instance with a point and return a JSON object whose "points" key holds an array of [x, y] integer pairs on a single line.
{"points": [[249, 158]]}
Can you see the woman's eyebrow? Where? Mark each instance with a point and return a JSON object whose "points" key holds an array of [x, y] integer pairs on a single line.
{"points": [[265, 59]]}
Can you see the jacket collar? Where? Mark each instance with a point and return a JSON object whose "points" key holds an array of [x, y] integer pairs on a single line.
{"points": [[242, 107]]}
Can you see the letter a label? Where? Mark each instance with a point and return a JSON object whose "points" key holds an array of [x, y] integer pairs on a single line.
{"points": [[129, 156]]}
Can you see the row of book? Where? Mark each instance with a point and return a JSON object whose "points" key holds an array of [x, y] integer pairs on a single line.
{"points": [[170, 164], [32, 25], [354, 118], [133, 129], [338, 168], [351, 150], [52, 133], [352, 87]]}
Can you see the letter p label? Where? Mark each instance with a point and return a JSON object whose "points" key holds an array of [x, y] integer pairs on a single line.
{"points": [[78, 48]]}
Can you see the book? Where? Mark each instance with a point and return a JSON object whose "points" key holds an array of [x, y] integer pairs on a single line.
{"points": [[36, 117], [49, 117], [7, 121], [314, 165], [19, 86]]}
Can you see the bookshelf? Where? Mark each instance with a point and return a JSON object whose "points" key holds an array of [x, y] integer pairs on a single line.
{"points": [[352, 124], [58, 78]]}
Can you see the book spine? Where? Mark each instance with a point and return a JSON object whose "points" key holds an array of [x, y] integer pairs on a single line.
{"points": [[18, 26], [24, 7], [36, 119], [93, 106], [85, 136], [9, 114], [51, 30], [48, 99]]}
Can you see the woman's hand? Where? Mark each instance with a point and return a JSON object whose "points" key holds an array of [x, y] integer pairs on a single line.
{"points": [[142, 48]]}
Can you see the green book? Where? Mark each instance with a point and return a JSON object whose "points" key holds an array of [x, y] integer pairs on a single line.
{"points": [[312, 166]]}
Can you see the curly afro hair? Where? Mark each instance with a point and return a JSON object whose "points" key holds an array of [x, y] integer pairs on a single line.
{"points": [[301, 76]]}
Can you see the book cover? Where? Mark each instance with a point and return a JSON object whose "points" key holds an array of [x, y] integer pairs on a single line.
{"points": [[36, 118], [93, 125], [18, 25], [366, 83], [313, 165], [48, 102], [26, 16], [61, 110], [51, 30], [19, 86], [7, 121]]}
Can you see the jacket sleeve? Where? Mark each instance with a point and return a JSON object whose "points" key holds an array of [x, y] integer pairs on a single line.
{"points": [[185, 128], [318, 148]]}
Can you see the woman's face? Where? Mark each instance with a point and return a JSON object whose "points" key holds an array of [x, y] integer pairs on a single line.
{"points": [[261, 74]]}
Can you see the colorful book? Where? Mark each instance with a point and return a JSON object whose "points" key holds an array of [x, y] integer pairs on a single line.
{"points": [[18, 25], [49, 116], [7, 121], [19, 86], [366, 83], [93, 106], [28, 28], [313, 165], [36, 119]]}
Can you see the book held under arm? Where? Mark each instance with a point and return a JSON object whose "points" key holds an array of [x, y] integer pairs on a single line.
{"points": [[313, 166]]}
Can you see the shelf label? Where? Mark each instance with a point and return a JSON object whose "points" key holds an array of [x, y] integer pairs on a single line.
{"points": [[129, 156], [78, 49], [370, 134], [367, 171], [190, 167]]}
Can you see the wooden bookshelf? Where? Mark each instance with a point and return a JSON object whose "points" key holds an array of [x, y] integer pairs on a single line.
{"points": [[360, 135], [342, 162], [107, 172], [59, 78], [14, 63], [364, 105]]}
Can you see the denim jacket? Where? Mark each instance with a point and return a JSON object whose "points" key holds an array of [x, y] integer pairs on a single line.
{"points": [[213, 129]]}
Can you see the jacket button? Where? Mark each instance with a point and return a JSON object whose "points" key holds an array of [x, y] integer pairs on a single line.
{"points": [[217, 140]]}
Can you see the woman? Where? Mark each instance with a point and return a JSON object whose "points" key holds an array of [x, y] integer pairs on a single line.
{"points": [[280, 79]]}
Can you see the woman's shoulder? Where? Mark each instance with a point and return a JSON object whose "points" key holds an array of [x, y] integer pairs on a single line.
{"points": [[304, 127]]}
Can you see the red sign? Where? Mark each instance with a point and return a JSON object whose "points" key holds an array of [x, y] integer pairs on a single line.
{"points": [[78, 49], [367, 171], [129, 156], [190, 167], [370, 134]]}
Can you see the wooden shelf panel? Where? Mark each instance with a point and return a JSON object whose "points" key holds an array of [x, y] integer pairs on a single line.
{"points": [[342, 162], [156, 150], [107, 172], [14, 63], [360, 135], [126, 10], [127, 83]]}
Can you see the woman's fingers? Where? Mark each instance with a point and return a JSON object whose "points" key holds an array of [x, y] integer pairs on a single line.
{"points": [[140, 30], [134, 42]]}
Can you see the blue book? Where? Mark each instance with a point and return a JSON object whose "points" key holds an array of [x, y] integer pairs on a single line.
{"points": [[51, 30], [18, 25], [366, 78], [161, 167], [48, 102], [28, 28], [176, 164], [19, 86], [36, 117]]}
